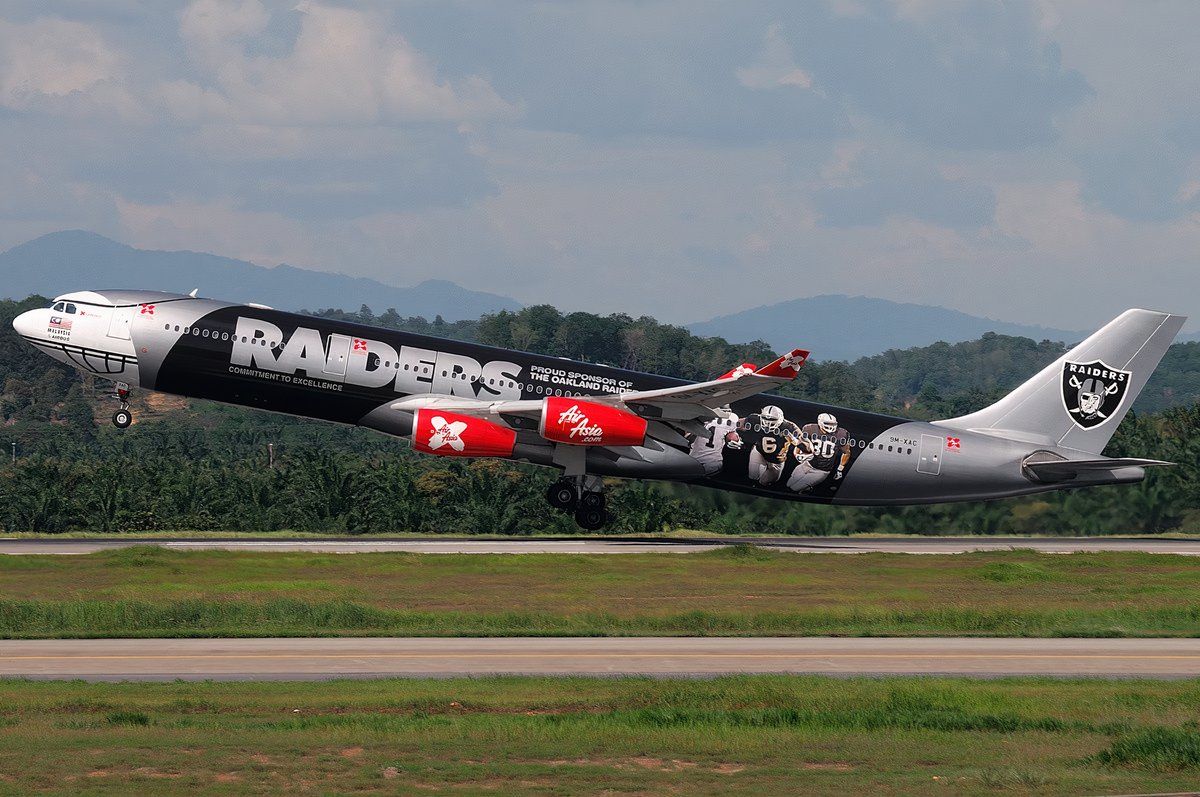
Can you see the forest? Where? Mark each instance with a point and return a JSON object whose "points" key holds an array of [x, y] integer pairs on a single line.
{"points": [[192, 465]]}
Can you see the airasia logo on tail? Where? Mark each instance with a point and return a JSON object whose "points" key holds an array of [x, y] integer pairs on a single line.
{"points": [[448, 434], [584, 423]]}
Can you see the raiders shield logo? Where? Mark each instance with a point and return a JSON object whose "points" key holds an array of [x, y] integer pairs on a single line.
{"points": [[1093, 391]]}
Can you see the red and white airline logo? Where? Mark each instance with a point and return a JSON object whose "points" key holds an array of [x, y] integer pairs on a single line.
{"points": [[793, 361], [580, 427], [739, 372], [147, 309], [953, 443], [360, 345], [446, 433]]}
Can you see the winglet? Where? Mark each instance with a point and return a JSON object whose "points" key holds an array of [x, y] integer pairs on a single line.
{"points": [[740, 371], [785, 367]]}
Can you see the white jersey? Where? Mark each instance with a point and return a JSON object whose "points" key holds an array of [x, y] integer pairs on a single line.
{"points": [[709, 448]]}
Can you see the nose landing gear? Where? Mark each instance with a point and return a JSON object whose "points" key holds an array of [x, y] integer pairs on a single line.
{"points": [[122, 418], [582, 496]]}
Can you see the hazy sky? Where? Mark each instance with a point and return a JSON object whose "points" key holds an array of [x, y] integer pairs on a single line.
{"points": [[1028, 161]]}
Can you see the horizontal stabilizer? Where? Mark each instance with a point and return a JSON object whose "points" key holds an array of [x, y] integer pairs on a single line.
{"points": [[1065, 469]]}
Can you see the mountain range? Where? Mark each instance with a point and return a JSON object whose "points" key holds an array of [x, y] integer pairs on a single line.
{"points": [[833, 327], [75, 260], [837, 327]]}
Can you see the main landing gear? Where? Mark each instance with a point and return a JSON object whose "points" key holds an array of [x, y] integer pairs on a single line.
{"points": [[582, 496], [122, 418]]}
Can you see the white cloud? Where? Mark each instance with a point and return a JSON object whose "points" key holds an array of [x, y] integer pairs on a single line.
{"points": [[49, 63], [345, 67], [261, 237], [775, 66]]}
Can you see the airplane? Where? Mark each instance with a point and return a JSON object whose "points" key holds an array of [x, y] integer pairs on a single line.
{"points": [[588, 421]]}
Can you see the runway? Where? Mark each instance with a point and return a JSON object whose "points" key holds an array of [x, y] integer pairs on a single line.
{"points": [[615, 545], [291, 659]]}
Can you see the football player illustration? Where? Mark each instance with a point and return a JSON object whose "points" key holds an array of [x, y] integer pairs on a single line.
{"points": [[709, 448], [773, 436], [824, 451]]}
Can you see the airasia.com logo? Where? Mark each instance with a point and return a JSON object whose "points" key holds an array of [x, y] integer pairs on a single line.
{"points": [[583, 427]]}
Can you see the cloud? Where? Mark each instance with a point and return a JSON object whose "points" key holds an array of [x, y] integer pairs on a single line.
{"points": [[601, 154], [344, 67], [775, 66], [634, 69], [955, 75], [267, 238], [60, 66]]}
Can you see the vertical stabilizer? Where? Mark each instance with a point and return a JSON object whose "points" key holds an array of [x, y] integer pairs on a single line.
{"points": [[1078, 400]]}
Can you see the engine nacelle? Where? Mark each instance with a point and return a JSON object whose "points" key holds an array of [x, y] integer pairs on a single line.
{"points": [[584, 423], [448, 434]]}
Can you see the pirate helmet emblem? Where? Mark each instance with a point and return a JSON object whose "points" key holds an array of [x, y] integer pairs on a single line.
{"points": [[1093, 391]]}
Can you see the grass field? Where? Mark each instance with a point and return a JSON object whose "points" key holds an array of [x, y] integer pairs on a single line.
{"points": [[746, 735], [146, 591]]}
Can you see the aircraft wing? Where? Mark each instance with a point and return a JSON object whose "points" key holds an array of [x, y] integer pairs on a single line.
{"points": [[703, 400], [698, 401]]}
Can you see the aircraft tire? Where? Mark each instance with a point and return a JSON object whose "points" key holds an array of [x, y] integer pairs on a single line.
{"points": [[122, 419], [592, 500], [562, 496], [591, 519]]}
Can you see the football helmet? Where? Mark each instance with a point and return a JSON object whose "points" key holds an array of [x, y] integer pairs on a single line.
{"points": [[771, 417], [827, 423]]}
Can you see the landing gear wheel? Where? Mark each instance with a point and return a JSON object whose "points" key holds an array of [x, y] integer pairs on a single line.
{"points": [[591, 519], [122, 419], [562, 496], [592, 500]]}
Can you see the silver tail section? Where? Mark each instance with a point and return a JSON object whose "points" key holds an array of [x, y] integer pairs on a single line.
{"points": [[1078, 400]]}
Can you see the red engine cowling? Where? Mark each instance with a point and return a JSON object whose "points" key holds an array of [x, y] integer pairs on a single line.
{"points": [[448, 434], [583, 423]]}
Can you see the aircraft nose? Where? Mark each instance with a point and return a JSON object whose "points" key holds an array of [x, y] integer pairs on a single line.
{"points": [[27, 323]]}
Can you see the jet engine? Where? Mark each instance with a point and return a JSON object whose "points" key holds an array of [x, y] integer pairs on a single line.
{"points": [[448, 434], [585, 423]]}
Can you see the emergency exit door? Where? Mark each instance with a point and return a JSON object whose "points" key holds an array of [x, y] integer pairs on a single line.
{"points": [[930, 460], [118, 327], [335, 358]]}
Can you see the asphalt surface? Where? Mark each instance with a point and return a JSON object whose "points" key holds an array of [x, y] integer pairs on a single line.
{"points": [[617, 545], [290, 659]]}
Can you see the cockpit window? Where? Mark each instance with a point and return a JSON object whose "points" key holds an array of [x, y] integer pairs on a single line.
{"points": [[58, 306], [70, 309]]}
